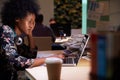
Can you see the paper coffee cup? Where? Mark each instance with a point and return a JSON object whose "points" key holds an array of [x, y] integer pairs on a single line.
{"points": [[53, 68]]}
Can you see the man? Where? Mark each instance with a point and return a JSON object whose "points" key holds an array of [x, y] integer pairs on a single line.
{"points": [[42, 30]]}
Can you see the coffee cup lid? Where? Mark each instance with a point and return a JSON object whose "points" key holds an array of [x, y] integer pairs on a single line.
{"points": [[53, 60]]}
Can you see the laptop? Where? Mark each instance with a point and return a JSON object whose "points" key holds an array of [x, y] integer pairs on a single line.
{"points": [[72, 55], [75, 53]]}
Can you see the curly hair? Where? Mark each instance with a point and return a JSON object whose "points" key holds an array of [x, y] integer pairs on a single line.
{"points": [[17, 9]]}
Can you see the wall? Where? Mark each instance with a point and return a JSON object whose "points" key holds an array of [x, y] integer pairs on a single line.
{"points": [[111, 21], [47, 9], [98, 13], [115, 12]]}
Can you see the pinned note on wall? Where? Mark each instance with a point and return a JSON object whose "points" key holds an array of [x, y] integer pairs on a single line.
{"points": [[98, 12]]}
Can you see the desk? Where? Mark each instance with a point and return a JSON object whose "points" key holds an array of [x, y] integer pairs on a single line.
{"points": [[81, 72]]}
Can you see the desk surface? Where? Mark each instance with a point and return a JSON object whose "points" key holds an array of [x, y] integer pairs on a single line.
{"points": [[82, 62], [81, 72], [67, 73]]}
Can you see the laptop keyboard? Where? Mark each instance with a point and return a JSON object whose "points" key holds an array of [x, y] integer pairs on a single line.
{"points": [[69, 60], [70, 51]]}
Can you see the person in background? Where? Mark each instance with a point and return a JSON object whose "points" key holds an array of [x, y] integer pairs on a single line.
{"points": [[54, 26], [59, 28], [18, 18], [57, 31], [42, 30]]}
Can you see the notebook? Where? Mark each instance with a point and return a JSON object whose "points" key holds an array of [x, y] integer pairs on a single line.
{"points": [[74, 55]]}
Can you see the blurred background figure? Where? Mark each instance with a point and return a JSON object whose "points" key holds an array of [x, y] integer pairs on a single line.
{"points": [[54, 26], [42, 30], [60, 28]]}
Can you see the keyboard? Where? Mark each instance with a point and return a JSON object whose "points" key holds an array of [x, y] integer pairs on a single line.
{"points": [[69, 60]]}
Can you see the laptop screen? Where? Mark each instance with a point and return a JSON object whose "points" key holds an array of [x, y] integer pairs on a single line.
{"points": [[77, 49], [82, 47]]}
